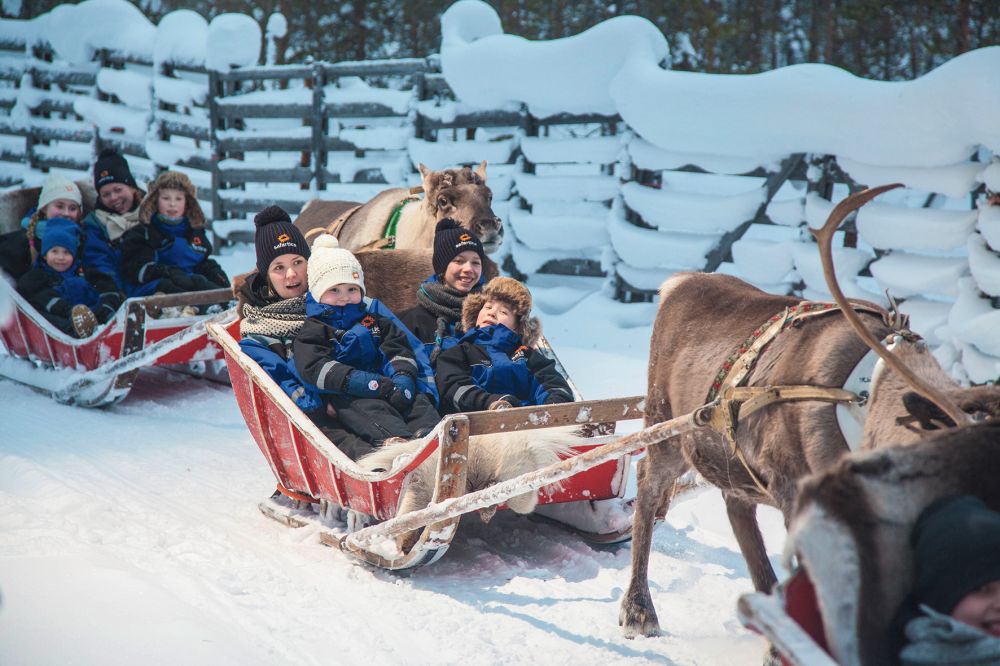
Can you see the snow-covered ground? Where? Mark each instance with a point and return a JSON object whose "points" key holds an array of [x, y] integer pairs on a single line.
{"points": [[132, 535]]}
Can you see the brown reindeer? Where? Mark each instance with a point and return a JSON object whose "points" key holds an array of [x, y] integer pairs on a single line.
{"points": [[460, 194], [703, 318]]}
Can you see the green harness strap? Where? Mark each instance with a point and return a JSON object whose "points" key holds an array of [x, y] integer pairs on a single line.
{"points": [[390, 229]]}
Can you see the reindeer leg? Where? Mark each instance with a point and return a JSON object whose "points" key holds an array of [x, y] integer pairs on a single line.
{"points": [[743, 519], [656, 473]]}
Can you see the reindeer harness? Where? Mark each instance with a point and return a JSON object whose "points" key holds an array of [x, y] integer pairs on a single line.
{"points": [[388, 240], [735, 401]]}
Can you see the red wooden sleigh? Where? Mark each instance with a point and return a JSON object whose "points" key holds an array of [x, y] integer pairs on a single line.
{"points": [[100, 370], [310, 469], [849, 541]]}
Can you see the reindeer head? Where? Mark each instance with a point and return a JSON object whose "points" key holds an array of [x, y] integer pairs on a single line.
{"points": [[462, 195]]}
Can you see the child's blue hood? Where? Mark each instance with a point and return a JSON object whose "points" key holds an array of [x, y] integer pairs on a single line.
{"points": [[339, 316], [497, 337]]}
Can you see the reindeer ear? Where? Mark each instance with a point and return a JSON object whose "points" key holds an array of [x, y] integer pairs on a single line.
{"points": [[425, 175], [928, 414], [481, 171]]}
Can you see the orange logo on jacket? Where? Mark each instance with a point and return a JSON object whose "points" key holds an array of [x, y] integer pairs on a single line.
{"points": [[196, 240]]}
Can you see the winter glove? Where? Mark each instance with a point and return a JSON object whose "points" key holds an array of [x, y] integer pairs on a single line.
{"points": [[555, 399], [152, 272], [362, 384], [504, 402], [306, 401], [214, 273], [406, 391], [401, 400], [104, 312], [180, 279]]}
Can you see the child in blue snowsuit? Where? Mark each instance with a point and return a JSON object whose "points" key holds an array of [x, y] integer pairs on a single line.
{"points": [[69, 296], [170, 247], [493, 365], [358, 356]]}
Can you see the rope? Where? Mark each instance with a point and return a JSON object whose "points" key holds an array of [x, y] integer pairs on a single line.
{"points": [[291, 494]]}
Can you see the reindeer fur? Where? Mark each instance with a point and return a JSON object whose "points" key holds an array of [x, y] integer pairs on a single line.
{"points": [[701, 320], [460, 194], [492, 458]]}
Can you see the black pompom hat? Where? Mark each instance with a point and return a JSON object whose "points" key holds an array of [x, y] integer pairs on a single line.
{"points": [[957, 544], [275, 236], [111, 167], [451, 240]]}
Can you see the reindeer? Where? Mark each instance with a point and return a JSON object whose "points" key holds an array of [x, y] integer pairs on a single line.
{"points": [[757, 458], [460, 194]]}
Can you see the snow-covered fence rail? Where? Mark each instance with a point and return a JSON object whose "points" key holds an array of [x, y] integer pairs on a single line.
{"points": [[325, 124]]}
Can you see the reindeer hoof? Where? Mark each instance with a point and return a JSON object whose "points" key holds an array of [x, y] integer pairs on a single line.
{"points": [[638, 619]]}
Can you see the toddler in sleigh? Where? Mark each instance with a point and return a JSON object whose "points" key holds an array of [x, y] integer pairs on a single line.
{"points": [[952, 617], [71, 297], [494, 364], [358, 356]]}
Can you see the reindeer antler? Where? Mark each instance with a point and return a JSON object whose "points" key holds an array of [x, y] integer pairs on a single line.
{"points": [[824, 237]]}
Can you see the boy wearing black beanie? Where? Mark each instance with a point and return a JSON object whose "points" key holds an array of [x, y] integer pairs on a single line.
{"points": [[956, 542]]}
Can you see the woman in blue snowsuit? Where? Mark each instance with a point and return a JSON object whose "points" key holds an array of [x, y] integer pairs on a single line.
{"points": [[493, 366], [358, 355], [116, 212], [273, 310], [74, 299], [169, 251]]}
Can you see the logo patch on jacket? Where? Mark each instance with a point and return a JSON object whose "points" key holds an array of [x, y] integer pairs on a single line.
{"points": [[369, 322], [519, 353]]}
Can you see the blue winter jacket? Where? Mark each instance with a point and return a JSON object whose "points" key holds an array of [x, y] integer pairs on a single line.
{"points": [[54, 292], [491, 363], [105, 255], [364, 336], [280, 366]]}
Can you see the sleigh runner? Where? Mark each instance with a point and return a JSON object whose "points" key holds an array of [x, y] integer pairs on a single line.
{"points": [[310, 470]]}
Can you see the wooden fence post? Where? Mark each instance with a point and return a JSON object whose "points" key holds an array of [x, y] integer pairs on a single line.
{"points": [[319, 125], [214, 124]]}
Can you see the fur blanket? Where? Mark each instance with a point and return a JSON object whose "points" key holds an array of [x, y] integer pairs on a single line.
{"points": [[493, 458]]}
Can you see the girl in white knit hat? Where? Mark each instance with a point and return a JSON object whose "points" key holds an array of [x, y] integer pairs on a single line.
{"points": [[360, 360], [59, 198]]}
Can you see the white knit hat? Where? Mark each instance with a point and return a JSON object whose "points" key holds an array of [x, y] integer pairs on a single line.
{"points": [[57, 186], [330, 265]]}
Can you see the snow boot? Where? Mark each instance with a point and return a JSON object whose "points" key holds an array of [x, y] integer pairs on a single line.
{"points": [[84, 321], [154, 311]]}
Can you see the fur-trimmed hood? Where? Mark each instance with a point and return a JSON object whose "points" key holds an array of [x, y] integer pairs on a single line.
{"points": [[173, 180], [514, 294]]}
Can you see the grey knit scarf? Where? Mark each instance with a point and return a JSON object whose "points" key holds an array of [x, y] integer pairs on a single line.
{"points": [[445, 303], [276, 320], [934, 638]]}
